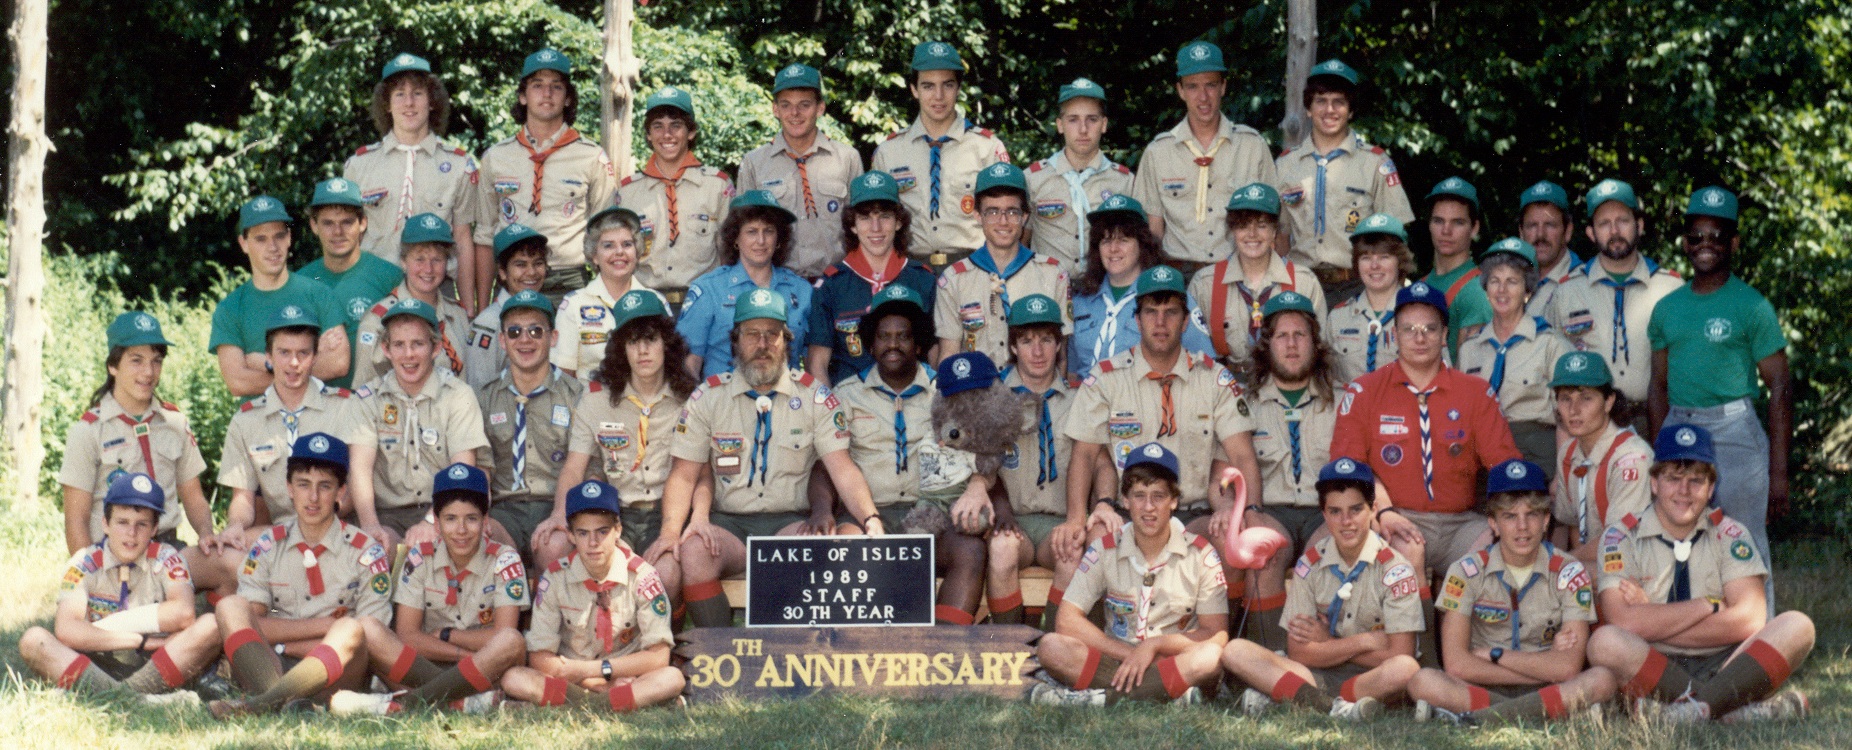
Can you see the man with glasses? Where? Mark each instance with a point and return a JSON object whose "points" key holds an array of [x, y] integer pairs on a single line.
{"points": [[971, 310], [527, 414]]}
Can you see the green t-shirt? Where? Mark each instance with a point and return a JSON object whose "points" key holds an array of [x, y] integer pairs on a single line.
{"points": [[241, 317], [1292, 397], [355, 290], [1713, 342], [1119, 292], [1467, 309]]}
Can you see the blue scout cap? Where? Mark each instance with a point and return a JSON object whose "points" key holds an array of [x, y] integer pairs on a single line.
{"points": [[1512, 246], [135, 329], [1454, 187], [1545, 192], [1259, 196], [1001, 175], [1035, 309], [1516, 475], [1712, 201], [136, 490], [1154, 454], [1380, 224], [507, 237], [546, 59], [402, 62], [670, 96], [1160, 279], [426, 228], [1081, 87], [319, 447], [337, 192], [1118, 204], [637, 304], [1610, 190], [1346, 470], [874, 186], [1684, 442], [293, 316], [411, 306], [798, 76], [589, 496], [1420, 293], [1337, 69], [1199, 57], [261, 210], [760, 304], [1580, 369], [527, 299], [936, 56], [760, 199], [965, 371], [460, 478], [1287, 300]]}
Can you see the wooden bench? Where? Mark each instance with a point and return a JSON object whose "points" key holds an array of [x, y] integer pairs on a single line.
{"points": [[1035, 584]]}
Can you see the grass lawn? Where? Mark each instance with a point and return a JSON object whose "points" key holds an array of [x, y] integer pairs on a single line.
{"points": [[1815, 577]]}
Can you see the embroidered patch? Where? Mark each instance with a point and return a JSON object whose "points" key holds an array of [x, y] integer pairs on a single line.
{"points": [[562, 416], [1124, 427], [729, 444], [516, 589], [1611, 562], [1572, 576], [1741, 550], [1490, 612], [1455, 586], [1050, 209], [1584, 597], [498, 418], [1469, 566], [1392, 455], [381, 584], [507, 187]]}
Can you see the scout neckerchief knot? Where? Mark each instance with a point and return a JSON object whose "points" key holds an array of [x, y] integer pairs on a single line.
{"points": [[1346, 582]]}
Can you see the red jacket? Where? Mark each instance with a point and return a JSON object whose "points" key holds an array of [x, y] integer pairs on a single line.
{"points": [[1379, 423]]}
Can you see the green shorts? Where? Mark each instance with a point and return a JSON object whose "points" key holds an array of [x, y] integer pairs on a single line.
{"points": [[1331, 681], [400, 519], [1300, 522], [641, 527], [1701, 668], [1037, 526], [520, 518], [1190, 514], [743, 525]]}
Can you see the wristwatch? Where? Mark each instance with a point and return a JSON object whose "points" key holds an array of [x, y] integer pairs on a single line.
{"points": [[1498, 652], [604, 668], [444, 635], [1110, 504]]}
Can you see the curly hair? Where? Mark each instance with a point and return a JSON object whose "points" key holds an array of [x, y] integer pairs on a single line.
{"points": [[571, 114], [736, 221], [614, 371], [1261, 365], [903, 233], [1381, 244], [1150, 254], [380, 109]]}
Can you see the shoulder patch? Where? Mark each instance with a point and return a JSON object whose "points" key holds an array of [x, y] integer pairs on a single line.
{"points": [[897, 135], [363, 149], [636, 561], [961, 266], [806, 380], [336, 391], [1122, 169], [1630, 522], [1037, 167], [169, 405], [1385, 555], [832, 271], [627, 180]]}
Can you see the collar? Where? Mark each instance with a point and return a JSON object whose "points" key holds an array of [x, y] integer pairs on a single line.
{"points": [[1226, 129], [311, 399], [858, 263], [983, 260], [822, 144], [428, 145], [1186, 361], [689, 161], [1526, 327], [1058, 162], [478, 564], [923, 376], [1608, 436], [631, 392], [1276, 270], [1642, 271], [1373, 546], [1442, 379], [1270, 391], [1177, 546], [785, 385], [619, 572], [110, 408], [336, 534], [1561, 270], [738, 277], [1062, 384], [440, 377], [1651, 526], [960, 126], [505, 382]]}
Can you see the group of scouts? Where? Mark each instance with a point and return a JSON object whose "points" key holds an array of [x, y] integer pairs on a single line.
{"points": [[1218, 341]]}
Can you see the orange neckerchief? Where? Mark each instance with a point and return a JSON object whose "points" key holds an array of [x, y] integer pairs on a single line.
{"points": [[668, 185], [540, 159]]}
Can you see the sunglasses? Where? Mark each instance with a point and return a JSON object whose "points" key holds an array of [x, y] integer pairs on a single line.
{"points": [[532, 332]]}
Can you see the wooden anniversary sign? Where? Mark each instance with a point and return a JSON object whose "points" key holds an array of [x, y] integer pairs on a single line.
{"points": [[930, 662]]}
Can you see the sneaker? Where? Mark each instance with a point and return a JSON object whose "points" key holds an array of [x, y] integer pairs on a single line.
{"points": [[350, 703], [1458, 719], [1043, 694], [1788, 704], [1190, 697], [480, 703], [173, 698], [1423, 710], [1364, 708], [1682, 711], [226, 709], [210, 686], [1255, 702]]}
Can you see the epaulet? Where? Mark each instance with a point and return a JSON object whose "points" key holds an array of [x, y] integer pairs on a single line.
{"points": [[92, 416], [1284, 152], [1073, 381], [1163, 135], [170, 406], [95, 559], [1485, 556], [627, 180], [1542, 325], [1246, 130], [251, 404], [1199, 541], [381, 308], [1671, 273], [595, 386], [961, 266], [832, 270], [1047, 259], [336, 391], [277, 533], [721, 173], [361, 540], [806, 379], [427, 549], [1207, 360], [636, 561], [1311, 556], [897, 135], [1384, 555], [1110, 540], [1123, 169], [1630, 522], [1717, 517], [456, 150], [1556, 561], [363, 149], [557, 565], [1344, 304], [1105, 365], [714, 381], [1378, 150]]}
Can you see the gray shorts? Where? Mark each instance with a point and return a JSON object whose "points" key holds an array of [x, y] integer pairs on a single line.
{"points": [[1449, 536], [1300, 522]]}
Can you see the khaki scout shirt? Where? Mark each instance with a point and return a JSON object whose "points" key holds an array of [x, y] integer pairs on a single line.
{"points": [[466, 598], [701, 196], [1548, 282], [1324, 196], [257, 443], [716, 428], [1185, 583], [974, 304], [109, 585], [416, 435], [1317, 418], [105, 440], [585, 320], [444, 182], [566, 617], [549, 427], [453, 337], [1639, 548], [1054, 219], [1349, 329], [830, 166], [1120, 408], [907, 156], [1238, 316], [575, 182], [484, 359], [628, 441], [1594, 489], [1168, 180], [1526, 395], [1033, 489], [1518, 615], [1583, 312], [356, 574], [1384, 597], [871, 408]]}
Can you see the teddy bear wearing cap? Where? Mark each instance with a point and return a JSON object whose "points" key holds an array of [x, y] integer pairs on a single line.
{"points": [[976, 420]]}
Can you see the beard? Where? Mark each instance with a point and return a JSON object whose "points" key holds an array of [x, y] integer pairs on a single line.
{"points": [[1619, 249], [761, 374], [1283, 372]]}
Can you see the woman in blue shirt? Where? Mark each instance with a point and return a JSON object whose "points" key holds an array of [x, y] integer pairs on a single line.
{"points": [[755, 242], [1120, 246]]}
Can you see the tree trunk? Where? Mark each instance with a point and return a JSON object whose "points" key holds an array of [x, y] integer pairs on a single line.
{"points": [[25, 314], [619, 79], [1301, 48]]}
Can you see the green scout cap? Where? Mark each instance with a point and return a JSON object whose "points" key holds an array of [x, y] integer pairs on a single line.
{"points": [[897, 294], [1337, 68], [1199, 57], [1001, 175], [936, 56], [136, 329], [1380, 224], [1580, 369], [798, 76], [1712, 201], [336, 192], [760, 304], [426, 227], [411, 306], [293, 316], [1259, 196], [761, 199], [261, 210], [1454, 187], [527, 299], [1081, 87], [670, 96], [402, 62], [546, 59], [1545, 192], [1512, 246], [1160, 279], [1287, 300], [1117, 204], [637, 304], [513, 234], [1034, 309], [874, 186], [1610, 190]]}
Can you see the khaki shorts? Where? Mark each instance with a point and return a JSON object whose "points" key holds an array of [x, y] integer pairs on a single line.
{"points": [[1449, 536], [520, 518], [1037, 526], [1300, 522], [742, 525], [400, 519]]}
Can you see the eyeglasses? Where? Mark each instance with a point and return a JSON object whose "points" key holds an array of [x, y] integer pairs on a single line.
{"points": [[514, 333], [1717, 236], [992, 214], [763, 337], [1420, 331]]}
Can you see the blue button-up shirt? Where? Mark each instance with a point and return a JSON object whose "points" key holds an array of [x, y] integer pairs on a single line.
{"points": [[1104, 327], [707, 317]]}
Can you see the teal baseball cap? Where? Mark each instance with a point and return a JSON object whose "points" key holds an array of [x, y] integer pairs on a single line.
{"points": [[293, 316], [1511, 246], [1380, 224], [1118, 203], [670, 96], [1455, 187], [1160, 279], [426, 227], [1336, 69], [896, 299], [411, 306], [635, 305], [936, 56], [1287, 300], [874, 186], [759, 304], [546, 59], [1199, 57], [402, 62], [1001, 175], [760, 199], [1611, 190], [797, 76], [261, 210], [1035, 309], [1545, 192], [1580, 369], [337, 192], [1712, 201], [527, 299], [1081, 87], [135, 329], [1258, 196], [513, 234]]}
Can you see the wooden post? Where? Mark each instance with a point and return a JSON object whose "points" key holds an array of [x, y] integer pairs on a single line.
{"points": [[1301, 47], [21, 405], [619, 78]]}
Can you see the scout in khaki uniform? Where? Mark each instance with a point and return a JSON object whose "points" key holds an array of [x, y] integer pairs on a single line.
{"points": [[876, 230], [600, 635], [1188, 172], [547, 176], [971, 310], [1516, 619], [1065, 188], [808, 172], [1333, 180], [937, 159], [458, 602], [238, 320], [357, 279], [1351, 615], [125, 608], [426, 241], [1166, 603], [527, 416], [681, 201], [758, 431], [1516, 351], [586, 316], [1603, 466], [407, 423], [520, 265], [889, 405], [1236, 289], [1453, 223], [1361, 329], [1544, 221], [1607, 303], [1120, 246], [1681, 591], [410, 172]]}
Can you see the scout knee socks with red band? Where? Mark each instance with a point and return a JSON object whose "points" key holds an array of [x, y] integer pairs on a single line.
{"points": [[1658, 679], [254, 665], [82, 675], [1753, 675], [460, 681], [1007, 610], [946, 614], [1053, 608], [1162, 680], [1546, 703], [159, 675], [558, 692], [411, 670], [1291, 688], [1429, 637], [707, 604], [1263, 621], [315, 673]]}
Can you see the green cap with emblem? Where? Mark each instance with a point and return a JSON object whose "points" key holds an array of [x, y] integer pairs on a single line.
{"points": [[337, 192], [135, 329], [1580, 369], [1033, 310], [1712, 201], [1545, 192], [637, 304], [760, 199], [293, 316], [1455, 187], [874, 186], [1287, 300], [1511, 246], [1081, 87], [411, 306], [759, 304], [261, 210], [1160, 279], [546, 59], [1380, 224], [402, 62], [635, 218], [1001, 175], [1610, 190], [426, 227], [936, 56], [1336, 69], [527, 299], [798, 76], [1259, 196], [513, 234], [670, 96], [1118, 203], [1199, 57]]}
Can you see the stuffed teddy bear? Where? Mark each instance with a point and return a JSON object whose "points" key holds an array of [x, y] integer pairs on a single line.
{"points": [[976, 421]]}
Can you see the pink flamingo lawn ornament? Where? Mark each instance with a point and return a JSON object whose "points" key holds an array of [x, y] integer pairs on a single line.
{"points": [[1247, 549]]}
